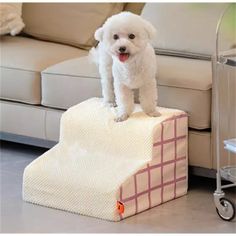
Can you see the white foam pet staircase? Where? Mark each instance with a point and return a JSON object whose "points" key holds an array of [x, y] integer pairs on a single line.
{"points": [[111, 170]]}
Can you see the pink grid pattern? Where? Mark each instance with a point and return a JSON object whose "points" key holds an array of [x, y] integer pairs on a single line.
{"points": [[159, 167]]}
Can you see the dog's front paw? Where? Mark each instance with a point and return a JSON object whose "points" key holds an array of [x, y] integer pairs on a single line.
{"points": [[154, 113], [121, 118]]}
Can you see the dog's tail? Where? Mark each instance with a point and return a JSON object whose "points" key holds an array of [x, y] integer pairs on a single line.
{"points": [[94, 55]]}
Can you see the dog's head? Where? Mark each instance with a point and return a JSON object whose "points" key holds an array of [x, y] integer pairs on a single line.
{"points": [[125, 34]]}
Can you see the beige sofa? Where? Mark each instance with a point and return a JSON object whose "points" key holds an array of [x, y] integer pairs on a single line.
{"points": [[46, 69]]}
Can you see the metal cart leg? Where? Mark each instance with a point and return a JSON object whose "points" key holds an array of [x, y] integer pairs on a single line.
{"points": [[224, 207]]}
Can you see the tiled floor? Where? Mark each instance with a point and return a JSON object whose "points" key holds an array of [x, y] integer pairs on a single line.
{"points": [[193, 213]]}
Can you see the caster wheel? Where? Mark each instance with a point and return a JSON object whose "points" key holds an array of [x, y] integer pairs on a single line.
{"points": [[227, 212]]}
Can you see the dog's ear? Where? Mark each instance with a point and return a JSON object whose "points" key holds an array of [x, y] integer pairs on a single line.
{"points": [[99, 34], [150, 29]]}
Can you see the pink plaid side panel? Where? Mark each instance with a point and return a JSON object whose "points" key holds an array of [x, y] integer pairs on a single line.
{"points": [[165, 177]]}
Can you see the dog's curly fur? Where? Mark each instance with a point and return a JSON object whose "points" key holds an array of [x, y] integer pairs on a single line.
{"points": [[127, 61]]}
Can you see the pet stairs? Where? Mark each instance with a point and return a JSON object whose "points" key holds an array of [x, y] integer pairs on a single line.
{"points": [[111, 170]]}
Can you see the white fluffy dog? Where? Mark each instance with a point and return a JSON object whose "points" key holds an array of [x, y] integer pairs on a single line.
{"points": [[127, 61]]}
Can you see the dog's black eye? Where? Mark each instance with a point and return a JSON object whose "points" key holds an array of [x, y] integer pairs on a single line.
{"points": [[115, 36], [131, 36]]}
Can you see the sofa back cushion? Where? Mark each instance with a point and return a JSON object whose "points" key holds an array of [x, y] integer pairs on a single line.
{"points": [[134, 7], [185, 27], [68, 23]]}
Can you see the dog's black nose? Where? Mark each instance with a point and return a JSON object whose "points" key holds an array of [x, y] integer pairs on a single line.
{"points": [[122, 49]]}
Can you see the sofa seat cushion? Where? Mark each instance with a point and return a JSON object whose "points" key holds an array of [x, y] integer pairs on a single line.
{"points": [[22, 60], [184, 73], [185, 84], [79, 78], [182, 83]]}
